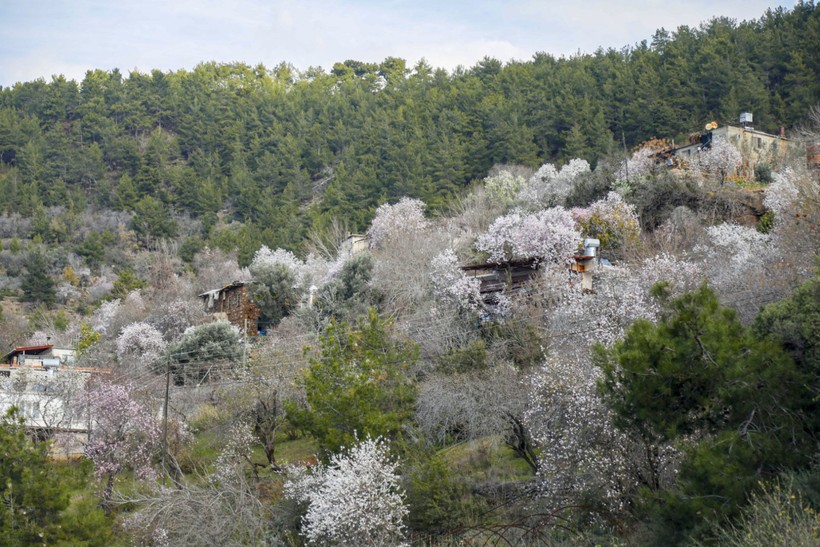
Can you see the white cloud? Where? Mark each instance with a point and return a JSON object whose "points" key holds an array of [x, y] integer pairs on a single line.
{"points": [[69, 36]]}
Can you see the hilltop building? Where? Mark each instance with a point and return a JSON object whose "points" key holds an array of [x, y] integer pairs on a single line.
{"points": [[756, 147]]}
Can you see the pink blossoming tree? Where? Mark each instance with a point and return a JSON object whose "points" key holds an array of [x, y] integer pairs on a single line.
{"points": [[124, 434]]}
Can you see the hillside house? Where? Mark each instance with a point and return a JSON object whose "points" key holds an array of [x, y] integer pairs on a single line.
{"points": [[233, 303], [47, 389], [496, 278], [353, 244], [44, 356], [755, 147]]}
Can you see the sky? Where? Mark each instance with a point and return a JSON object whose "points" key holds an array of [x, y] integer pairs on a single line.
{"points": [[41, 38]]}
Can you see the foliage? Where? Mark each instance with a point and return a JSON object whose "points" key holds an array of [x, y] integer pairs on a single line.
{"points": [[257, 143], [439, 499], [655, 199], [152, 220], [763, 173], [794, 324], [33, 494], [37, 284], [700, 374], [356, 499], [238, 160], [273, 290], [351, 293], [127, 281], [202, 349], [279, 279], [358, 385], [611, 220], [775, 516]]}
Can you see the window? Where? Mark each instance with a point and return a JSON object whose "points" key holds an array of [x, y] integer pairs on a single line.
{"points": [[31, 409]]}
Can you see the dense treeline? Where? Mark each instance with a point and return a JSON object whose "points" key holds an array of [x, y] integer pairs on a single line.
{"points": [[280, 152]]}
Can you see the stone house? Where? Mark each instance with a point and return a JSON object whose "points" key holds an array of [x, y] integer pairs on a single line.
{"points": [[756, 147], [233, 303]]}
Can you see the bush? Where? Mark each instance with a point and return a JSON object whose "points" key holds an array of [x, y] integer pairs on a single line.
{"points": [[655, 198], [202, 348], [776, 516], [763, 173]]}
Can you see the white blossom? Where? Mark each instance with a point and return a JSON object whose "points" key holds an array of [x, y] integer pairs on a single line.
{"points": [[172, 317], [733, 247], [266, 258], [783, 195], [721, 159], [140, 342], [620, 296], [235, 451], [640, 164], [355, 500], [39, 338], [580, 447], [312, 271], [403, 218], [451, 284], [503, 187], [548, 235], [104, 316], [548, 186]]}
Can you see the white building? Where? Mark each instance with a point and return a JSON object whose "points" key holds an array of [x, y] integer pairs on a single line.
{"points": [[43, 384]]}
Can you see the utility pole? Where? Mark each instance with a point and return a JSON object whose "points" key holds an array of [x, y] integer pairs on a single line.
{"points": [[165, 417], [245, 343], [626, 157]]}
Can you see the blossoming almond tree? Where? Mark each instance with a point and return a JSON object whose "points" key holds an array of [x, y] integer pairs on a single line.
{"points": [[721, 160], [140, 342], [405, 217], [451, 285], [549, 186], [124, 434], [548, 235], [356, 499]]}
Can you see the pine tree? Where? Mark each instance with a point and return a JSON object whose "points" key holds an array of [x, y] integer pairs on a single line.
{"points": [[37, 284]]}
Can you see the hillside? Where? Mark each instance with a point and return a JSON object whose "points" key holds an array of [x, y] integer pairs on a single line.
{"points": [[542, 331]]}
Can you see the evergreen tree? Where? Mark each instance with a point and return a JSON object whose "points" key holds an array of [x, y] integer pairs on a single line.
{"points": [[37, 284], [358, 386], [36, 494], [699, 374]]}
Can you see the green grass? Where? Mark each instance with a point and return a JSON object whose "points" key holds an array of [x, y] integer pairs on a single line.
{"points": [[486, 458], [297, 450]]}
